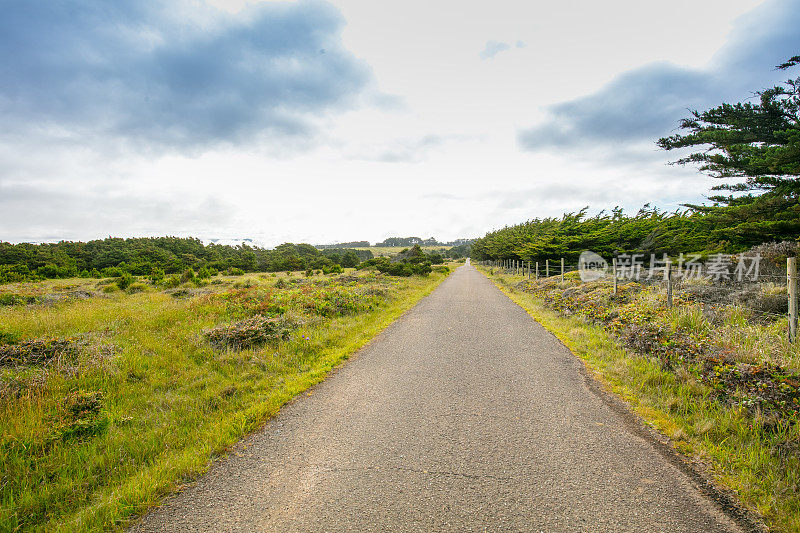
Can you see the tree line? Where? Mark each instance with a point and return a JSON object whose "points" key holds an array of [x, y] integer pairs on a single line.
{"points": [[111, 257], [728, 229]]}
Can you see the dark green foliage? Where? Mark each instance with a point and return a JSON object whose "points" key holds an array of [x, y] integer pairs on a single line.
{"points": [[411, 255], [16, 299], [435, 258], [758, 142], [125, 281], [188, 276], [337, 255], [409, 262], [333, 269], [402, 241], [157, 275], [10, 273], [395, 269], [160, 256], [721, 229], [459, 251], [350, 259], [171, 282], [409, 241]]}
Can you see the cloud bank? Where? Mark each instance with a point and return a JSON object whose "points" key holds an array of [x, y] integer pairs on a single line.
{"points": [[176, 74], [646, 103]]}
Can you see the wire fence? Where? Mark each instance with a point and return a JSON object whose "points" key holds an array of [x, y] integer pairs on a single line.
{"points": [[766, 294]]}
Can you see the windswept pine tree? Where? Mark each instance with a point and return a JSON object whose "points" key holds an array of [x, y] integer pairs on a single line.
{"points": [[756, 142]]}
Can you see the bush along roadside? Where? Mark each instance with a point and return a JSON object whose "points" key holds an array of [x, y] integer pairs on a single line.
{"points": [[720, 383]]}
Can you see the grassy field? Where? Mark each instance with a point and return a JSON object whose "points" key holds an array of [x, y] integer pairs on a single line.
{"points": [[691, 382], [110, 398]]}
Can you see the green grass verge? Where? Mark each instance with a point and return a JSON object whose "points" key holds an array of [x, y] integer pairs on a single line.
{"points": [[745, 454], [170, 402]]}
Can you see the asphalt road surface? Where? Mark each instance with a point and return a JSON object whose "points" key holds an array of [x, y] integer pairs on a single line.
{"points": [[463, 415]]}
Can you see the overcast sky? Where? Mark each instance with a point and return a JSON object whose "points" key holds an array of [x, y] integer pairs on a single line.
{"points": [[315, 121]]}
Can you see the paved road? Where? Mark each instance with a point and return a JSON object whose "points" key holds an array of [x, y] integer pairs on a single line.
{"points": [[463, 415]]}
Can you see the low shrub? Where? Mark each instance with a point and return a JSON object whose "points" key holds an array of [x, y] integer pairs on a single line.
{"points": [[82, 416], [250, 333], [38, 351], [188, 275], [407, 263], [181, 293], [435, 258], [136, 287], [171, 282], [157, 275], [764, 388], [125, 281], [112, 272], [16, 299], [333, 269]]}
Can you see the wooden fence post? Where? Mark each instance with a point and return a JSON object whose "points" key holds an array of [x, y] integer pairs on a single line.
{"points": [[537, 270], [562, 270], [547, 268], [614, 273], [791, 286], [668, 276]]}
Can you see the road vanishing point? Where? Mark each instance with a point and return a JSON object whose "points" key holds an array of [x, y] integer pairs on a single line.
{"points": [[463, 415]]}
